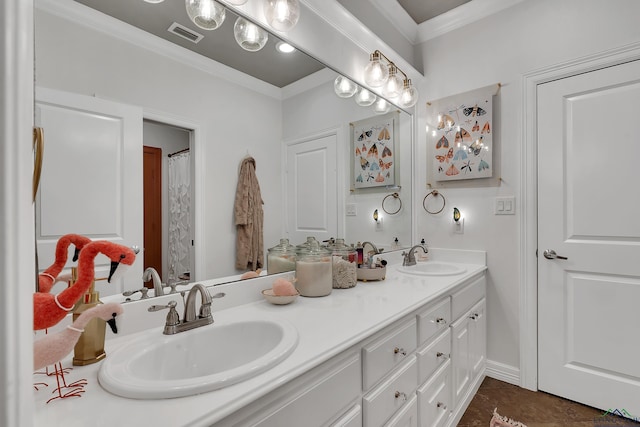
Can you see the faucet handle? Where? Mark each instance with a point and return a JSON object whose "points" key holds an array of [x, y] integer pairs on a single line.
{"points": [[143, 291], [173, 318]]}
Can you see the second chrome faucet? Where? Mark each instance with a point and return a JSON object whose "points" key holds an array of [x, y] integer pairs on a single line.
{"points": [[190, 320]]}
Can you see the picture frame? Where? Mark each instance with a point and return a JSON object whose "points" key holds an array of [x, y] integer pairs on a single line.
{"points": [[374, 157], [460, 136]]}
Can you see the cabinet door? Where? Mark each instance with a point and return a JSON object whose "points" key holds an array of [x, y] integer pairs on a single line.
{"points": [[407, 416], [460, 357], [478, 338]]}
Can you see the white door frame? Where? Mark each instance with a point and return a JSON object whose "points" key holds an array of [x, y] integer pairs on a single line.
{"points": [[196, 139], [529, 189]]}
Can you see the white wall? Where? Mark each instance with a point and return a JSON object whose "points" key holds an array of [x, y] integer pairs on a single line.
{"points": [[501, 48], [233, 120], [320, 109]]}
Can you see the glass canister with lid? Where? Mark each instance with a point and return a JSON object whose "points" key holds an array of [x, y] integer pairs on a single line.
{"points": [[314, 271], [281, 257], [304, 246], [345, 274]]}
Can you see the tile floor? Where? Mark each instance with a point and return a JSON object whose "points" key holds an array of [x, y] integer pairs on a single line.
{"points": [[534, 409]]}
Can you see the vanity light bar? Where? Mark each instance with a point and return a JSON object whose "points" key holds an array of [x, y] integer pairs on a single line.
{"points": [[185, 33]]}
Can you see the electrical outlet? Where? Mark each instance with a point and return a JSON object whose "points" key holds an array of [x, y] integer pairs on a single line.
{"points": [[458, 226], [352, 209]]}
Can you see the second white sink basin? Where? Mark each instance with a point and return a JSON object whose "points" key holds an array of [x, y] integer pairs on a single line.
{"points": [[433, 268], [203, 359]]}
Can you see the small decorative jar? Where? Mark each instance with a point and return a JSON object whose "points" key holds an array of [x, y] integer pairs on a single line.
{"points": [[345, 266], [314, 271], [304, 246], [281, 257]]}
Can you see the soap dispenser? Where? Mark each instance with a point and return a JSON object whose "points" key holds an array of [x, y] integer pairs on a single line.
{"points": [[90, 347]]}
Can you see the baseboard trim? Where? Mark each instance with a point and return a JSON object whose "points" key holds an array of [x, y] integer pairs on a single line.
{"points": [[502, 372]]}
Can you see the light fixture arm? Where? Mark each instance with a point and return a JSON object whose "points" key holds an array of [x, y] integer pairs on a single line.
{"points": [[377, 53]]}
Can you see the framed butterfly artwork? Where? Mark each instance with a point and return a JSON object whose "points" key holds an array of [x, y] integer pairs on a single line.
{"points": [[374, 159], [460, 136]]}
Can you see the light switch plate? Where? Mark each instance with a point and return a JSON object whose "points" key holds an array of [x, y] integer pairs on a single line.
{"points": [[505, 205], [352, 209]]}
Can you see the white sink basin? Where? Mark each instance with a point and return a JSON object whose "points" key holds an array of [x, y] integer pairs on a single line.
{"points": [[433, 268], [191, 362]]}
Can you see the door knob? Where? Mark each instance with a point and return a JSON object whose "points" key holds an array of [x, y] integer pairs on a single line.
{"points": [[551, 254]]}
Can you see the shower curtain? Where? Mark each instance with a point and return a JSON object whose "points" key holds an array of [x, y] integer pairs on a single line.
{"points": [[179, 216]]}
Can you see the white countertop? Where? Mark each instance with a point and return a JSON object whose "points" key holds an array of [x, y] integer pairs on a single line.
{"points": [[326, 327]]}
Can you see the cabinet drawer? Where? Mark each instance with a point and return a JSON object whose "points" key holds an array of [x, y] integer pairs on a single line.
{"points": [[434, 355], [465, 298], [407, 416], [382, 402], [353, 418], [320, 401], [434, 320], [434, 399], [380, 356]]}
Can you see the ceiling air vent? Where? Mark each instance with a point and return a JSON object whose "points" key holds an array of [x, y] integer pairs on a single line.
{"points": [[185, 33]]}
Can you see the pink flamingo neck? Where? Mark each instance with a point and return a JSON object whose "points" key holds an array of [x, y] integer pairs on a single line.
{"points": [[86, 273]]}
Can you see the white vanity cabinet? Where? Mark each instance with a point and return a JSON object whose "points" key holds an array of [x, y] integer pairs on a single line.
{"points": [[419, 371]]}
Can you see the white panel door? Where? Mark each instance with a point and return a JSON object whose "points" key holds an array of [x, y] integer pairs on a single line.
{"points": [[91, 177], [312, 189], [588, 210]]}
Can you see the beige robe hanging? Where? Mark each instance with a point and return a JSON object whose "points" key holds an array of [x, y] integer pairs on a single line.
{"points": [[249, 218]]}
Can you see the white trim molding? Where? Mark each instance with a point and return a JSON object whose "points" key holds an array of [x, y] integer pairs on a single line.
{"points": [[17, 233], [529, 187], [500, 371], [460, 16]]}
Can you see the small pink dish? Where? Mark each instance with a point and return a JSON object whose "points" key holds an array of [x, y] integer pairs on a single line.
{"points": [[278, 299]]}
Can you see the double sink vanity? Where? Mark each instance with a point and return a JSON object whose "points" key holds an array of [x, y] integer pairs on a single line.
{"points": [[406, 351]]}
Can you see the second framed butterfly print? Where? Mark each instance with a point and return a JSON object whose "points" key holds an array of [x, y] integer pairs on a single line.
{"points": [[460, 135], [374, 161]]}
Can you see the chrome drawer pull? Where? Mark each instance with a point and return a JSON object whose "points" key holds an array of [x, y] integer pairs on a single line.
{"points": [[399, 351], [442, 405], [401, 394], [441, 354], [441, 321]]}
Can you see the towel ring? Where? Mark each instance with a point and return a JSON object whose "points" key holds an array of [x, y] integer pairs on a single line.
{"points": [[434, 193], [395, 196]]}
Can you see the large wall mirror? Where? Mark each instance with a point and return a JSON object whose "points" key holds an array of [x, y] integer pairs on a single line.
{"points": [[115, 63]]}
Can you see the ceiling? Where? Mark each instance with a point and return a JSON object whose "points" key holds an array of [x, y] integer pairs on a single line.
{"points": [[423, 10], [407, 17], [219, 44]]}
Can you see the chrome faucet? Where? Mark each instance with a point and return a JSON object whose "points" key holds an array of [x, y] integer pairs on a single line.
{"points": [[151, 274], [374, 249], [410, 257], [173, 325]]}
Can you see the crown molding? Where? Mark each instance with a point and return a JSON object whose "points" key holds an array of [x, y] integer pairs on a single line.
{"points": [[98, 21], [461, 16], [309, 82]]}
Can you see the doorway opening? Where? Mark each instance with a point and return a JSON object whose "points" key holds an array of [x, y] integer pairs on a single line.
{"points": [[168, 201]]}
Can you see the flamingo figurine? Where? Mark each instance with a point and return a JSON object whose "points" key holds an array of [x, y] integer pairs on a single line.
{"points": [[54, 347], [49, 277], [49, 309]]}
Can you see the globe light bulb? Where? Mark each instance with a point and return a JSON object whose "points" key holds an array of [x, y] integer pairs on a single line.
{"points": [[206, 14], [282, 15], [249, 36], [364, 98], [408, 96], [381, 106], [344, 87], [394, 85], [376, 73]]}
